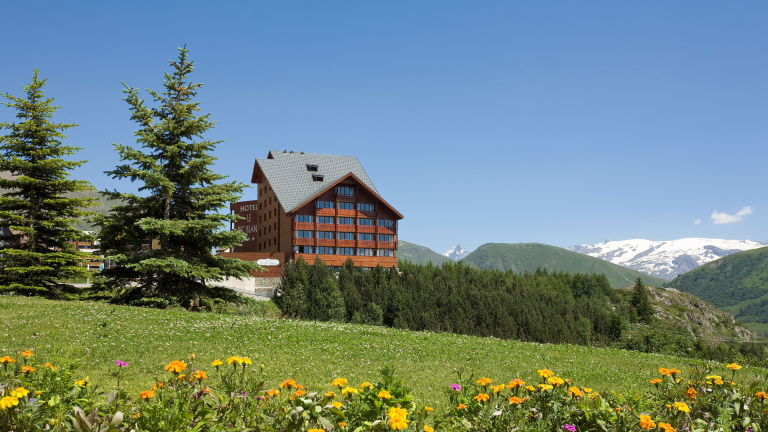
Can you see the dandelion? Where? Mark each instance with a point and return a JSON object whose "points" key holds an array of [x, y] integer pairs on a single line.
{"points": [[339, 382], [666, 427], [646, 423], [691, 393], [289, 383], [682, 406], [8, 402], [734, 367], [461, 406], [455, 387], [384, 395], [515, 400], [482, 397], [20, 392], [545, 373], [27, 369], [27, 353], [337, 404], [175, 366], [147, 394], [569, 427], [234, 359], [484, 381]]}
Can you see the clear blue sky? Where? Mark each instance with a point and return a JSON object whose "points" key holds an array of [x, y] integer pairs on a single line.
{"points": [[551, 122]]}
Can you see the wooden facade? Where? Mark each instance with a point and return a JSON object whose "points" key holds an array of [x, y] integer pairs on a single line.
{"points": [[344, 219]]}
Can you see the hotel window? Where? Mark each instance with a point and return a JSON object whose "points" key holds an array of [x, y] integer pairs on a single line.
{"points": [[387, 223], [302, 249], [363, 221], [345, 251], [365, 237], [346, 221], [303, 234], [325, 219], [365, 252], [325, 250], [386, 237], [325, 204], [365, 207], [345, 236], [346, 206], [304, 218], [385, 252], [325, 235], [345, 190]]}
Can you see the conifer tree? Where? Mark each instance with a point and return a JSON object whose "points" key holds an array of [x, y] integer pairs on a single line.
{"points": [[36, 216], [162, 238], [641, 302]]}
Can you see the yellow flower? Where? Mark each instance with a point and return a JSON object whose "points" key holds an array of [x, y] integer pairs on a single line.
{"points": [[50, 366], [175, 366], [515, 383], [646, 423], [397, 423], [339, 382], [655, 381], [587, 389], [555, 381], [761, 395], [530, 388], [484, 381], [217, 363], [20, 392], [397, 412], [384, 395], [575, 392], [272, 393], [366, 384], [497, 388], [482, 397], [691, 393], [341, 424], [330, 395], [461, 406], [316, 430], [350, 390], [82, 382], [428, 429], [714, 377], [38, 393], [299, 393], [428, 409], [337, 404], [515, 400], [733, 366], [27, 369], [682, 406], [289, 383], [666, 427], [146, 394], [5, 360], [198, 376], [234, 359], [545, 373], [181, 377], [245, 360], [8, 402], [545, 387], [719, 382], [27, 353]]}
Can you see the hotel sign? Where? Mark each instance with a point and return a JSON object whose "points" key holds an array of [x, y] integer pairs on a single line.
{"points": [[248, 210]]}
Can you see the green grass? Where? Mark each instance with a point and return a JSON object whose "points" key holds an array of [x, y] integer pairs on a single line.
{"points": [[91, 336], [521, 257]]}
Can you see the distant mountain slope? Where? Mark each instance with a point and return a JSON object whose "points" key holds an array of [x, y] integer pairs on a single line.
{"points": [[522, 257], [665, 259], [457, 252], [103, 206], [737, 283], [419, 254]]}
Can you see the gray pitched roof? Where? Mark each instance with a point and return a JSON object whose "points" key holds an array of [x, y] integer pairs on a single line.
{"points": [[288, 176]]}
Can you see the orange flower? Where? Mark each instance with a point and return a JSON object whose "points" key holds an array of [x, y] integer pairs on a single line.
{"points": [[175, 366], [146, 394], [515, 400], [461, 406], [682, 406], [691, 393], [289, 383], [341, 424], [655, 381], [482, 397], [337, 404], [719, 382], [666, 427], [545, 373], [428, 409], [5, 360], [27, 369], [734, 367], [497, 388], [299, 393], [484, 381], [646, 423], [50, 366], [330, 395], [515, 383], [198, 376], [761, 395], [555, 381], [27, 353], [575, 392]]}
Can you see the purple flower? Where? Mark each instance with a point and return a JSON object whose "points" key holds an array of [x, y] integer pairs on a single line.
{"points": [[121, 364], [569, 427], [455, 387]]}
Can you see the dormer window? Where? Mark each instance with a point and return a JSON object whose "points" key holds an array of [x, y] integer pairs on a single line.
{"points": [[311, 168], [317, 177]]}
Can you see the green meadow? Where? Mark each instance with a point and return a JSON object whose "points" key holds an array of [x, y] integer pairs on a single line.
{"points": [[88, 337]]}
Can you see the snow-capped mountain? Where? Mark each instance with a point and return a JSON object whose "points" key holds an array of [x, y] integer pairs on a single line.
{"points": [[457, 252], [665, 259]]}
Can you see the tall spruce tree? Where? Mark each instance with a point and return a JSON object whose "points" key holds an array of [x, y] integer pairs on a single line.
{"points": [[162, 240], [641, 302], [36, 216]]}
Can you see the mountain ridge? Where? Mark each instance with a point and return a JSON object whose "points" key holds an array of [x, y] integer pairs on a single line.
{"points": [[457, 252]]}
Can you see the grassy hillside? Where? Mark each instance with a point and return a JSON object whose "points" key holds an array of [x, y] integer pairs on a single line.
{"points": [[419, 254], [91, 336], [521, 257], [737, 283], [102, 207]]}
